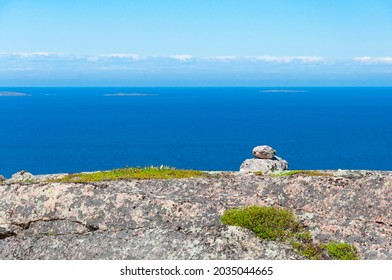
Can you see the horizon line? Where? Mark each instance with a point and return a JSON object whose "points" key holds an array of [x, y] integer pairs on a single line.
{"points": [[214, 86]]}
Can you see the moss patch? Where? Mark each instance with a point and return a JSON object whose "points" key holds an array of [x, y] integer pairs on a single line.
{"points": [[132, 173], [266, 222], [278, 224], [302, 172], [341, 251]]}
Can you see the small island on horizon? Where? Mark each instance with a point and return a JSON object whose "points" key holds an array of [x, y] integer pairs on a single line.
{"points": [[13, 93]]}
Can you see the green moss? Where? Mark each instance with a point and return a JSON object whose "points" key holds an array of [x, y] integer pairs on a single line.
{"points": [[258, 173], [304, 245], [341, 251], [277, 224], [266, 222], [132, 173], [302, 172], [304, 236]]}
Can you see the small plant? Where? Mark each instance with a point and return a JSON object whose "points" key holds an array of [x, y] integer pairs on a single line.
{"points": [[304, 236], [258, 173], [304, 245], [161, 172], [311, 251], [277, 224], [302, 172], [341, 251], [266, 222]]}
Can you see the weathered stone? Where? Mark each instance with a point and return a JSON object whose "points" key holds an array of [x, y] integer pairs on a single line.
{"points": [[264, 165], [348, 174], [2, 178], [264, 152], [179, 219], [21, 176], [5, 233]]}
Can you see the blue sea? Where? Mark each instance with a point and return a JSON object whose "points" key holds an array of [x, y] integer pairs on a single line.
{"points": [[84, 129]]}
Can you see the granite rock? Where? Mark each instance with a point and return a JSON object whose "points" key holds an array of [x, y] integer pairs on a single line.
{"points": [[179, 219], [264, 152], [21, 176], [264, 165]]}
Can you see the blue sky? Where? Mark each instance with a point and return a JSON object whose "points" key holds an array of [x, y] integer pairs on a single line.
{"points": [[187, 42]]}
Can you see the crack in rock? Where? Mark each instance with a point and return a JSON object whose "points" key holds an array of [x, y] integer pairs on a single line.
{"points": [[6, 233]]}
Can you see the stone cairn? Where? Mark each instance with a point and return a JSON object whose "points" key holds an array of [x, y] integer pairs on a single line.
{"points": [[266, 161]]}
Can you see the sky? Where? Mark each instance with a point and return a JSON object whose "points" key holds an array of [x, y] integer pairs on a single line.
{"points": [[195, 43]]}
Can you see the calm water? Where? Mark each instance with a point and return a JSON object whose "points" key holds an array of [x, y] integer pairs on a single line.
{"points": [[81, 129]]}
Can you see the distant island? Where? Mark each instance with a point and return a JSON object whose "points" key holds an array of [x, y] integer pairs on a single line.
{"points": [[13, 93], [284, 90], [129, 94]]}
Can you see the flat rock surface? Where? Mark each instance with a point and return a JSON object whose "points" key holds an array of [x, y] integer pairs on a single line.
{"points": [[179, 219]]}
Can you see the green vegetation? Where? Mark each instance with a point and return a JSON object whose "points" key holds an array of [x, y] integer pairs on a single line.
{"points": [[304, 245], [341, 251], [278, 224], [266, 222], [302, 172], [258, 173], [162, 172]]}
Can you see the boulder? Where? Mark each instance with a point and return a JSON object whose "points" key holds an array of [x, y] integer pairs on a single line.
{"points": [[264, 165], [22, 176], [2, 178], [264, 152]]}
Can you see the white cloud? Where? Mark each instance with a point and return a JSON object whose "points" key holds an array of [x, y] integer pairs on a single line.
{"points": [[33, 54], [182, 57], [36, 56], [224, 58], [118, 56], [374, 60], [122, 56], [289, 59]]}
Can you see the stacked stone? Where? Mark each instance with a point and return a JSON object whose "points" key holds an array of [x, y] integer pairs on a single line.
{"points": [[266, 161]]}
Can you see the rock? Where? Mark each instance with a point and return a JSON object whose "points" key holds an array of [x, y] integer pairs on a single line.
{"points": [[264, 165], [47, 177], [2, 178], [180, 218], [5, 233], [348, 174], [264, 152], [21, 176]]}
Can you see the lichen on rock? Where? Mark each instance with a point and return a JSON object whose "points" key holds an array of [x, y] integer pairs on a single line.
{"points": [[180, 218]]}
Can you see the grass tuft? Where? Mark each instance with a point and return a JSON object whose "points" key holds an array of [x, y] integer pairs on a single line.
{"points": [[162, 172]]}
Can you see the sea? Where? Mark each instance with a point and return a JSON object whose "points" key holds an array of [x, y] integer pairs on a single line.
{"points": [[73, 129]]}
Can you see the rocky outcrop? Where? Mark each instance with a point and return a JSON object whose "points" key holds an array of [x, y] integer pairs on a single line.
{"points": [[265, 161], [264, 165], [2, 178], [22, 176], [179, 219]]}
